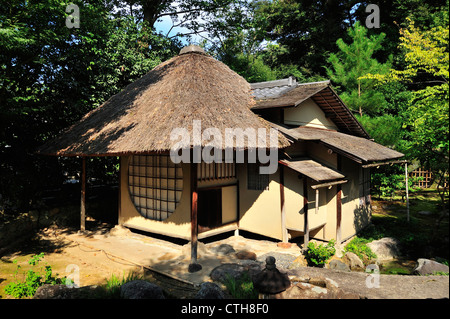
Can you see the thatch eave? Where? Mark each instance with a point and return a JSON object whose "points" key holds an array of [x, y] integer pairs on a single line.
{"points": [[141, 118]]}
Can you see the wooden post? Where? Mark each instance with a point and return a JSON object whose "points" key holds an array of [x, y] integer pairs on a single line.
{"points": [[305, 211], [83, 195], [339, 204], [338, 214], [283, 208], [317, 200], [407, 195], [194, 266]]}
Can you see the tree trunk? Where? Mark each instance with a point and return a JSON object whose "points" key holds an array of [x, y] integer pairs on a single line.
{"points": [[359, 98], [151, 10]]}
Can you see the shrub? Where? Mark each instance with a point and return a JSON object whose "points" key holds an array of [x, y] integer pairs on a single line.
{"points": [[317, 255], [33, 279], [358, 246]]}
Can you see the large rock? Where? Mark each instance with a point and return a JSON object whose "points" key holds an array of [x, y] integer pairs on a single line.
{"points": [[326, 290], [299, 262], [353, 261], [224, 249], [64, 292], [210, 290], [429, 267], [235, 271], [386, 248], [141, 289], [337, 264]]}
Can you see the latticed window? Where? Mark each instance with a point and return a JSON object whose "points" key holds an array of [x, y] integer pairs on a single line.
{"points": [[256, 180], [214, 171], [155, 185]]}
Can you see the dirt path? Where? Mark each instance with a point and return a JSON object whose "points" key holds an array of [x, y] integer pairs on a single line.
{"points": [[66, 257]]}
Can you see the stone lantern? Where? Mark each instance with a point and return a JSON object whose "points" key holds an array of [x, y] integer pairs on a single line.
{"points": [[270, 281]]}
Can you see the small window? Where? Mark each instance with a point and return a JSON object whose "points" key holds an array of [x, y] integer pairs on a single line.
{"points": [[256, 180], [155, 185], [215, 171]]}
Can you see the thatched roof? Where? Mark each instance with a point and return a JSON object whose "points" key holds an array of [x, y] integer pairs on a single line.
{"points": [[140, 119]]}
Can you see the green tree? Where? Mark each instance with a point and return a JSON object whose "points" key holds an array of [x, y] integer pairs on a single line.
{"points": [[426, 71], [353, 61], [308, 29], [51, 75]]}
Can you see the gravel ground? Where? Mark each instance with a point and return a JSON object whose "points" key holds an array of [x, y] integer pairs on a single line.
{"points": [[282, 260]]}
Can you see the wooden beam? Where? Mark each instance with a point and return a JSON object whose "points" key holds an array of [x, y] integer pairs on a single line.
{"points": [[283, 208], [194, 266], [384, 163], [305, 212], [83, 195], [317, 186]]}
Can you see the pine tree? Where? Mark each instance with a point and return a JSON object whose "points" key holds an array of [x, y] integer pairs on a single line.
{"points": [[352, 62]]}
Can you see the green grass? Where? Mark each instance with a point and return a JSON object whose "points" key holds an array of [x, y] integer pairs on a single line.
{"points": [[241, 288], [111, 290], [421, 237]]}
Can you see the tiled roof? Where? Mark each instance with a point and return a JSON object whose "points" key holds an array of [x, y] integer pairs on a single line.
{"points": [[273, 89]]}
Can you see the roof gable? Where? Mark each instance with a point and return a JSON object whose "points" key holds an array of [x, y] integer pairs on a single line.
{"points": [[320, 92]]}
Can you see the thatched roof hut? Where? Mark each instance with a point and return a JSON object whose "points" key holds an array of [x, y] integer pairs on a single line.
{"points": [[191, 86]]}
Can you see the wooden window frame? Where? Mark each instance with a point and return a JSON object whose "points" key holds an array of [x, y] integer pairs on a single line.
{"points": [[146, 186]]}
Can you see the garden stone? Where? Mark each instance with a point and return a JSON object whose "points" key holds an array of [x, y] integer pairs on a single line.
{"points": [[210, 290], [63, 292], [304, 290], [336, 264], [386, 248], [140, 289], [223, 272], [353, 261], [429, 267], [224, 249], [245, 254]]}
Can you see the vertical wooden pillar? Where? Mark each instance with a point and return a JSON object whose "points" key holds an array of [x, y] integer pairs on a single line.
{"points": [[317, 200], [338, 214], [83, 195], [283, 208], [339, 204], [119, 201], [194, 266], [305, 212]]}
